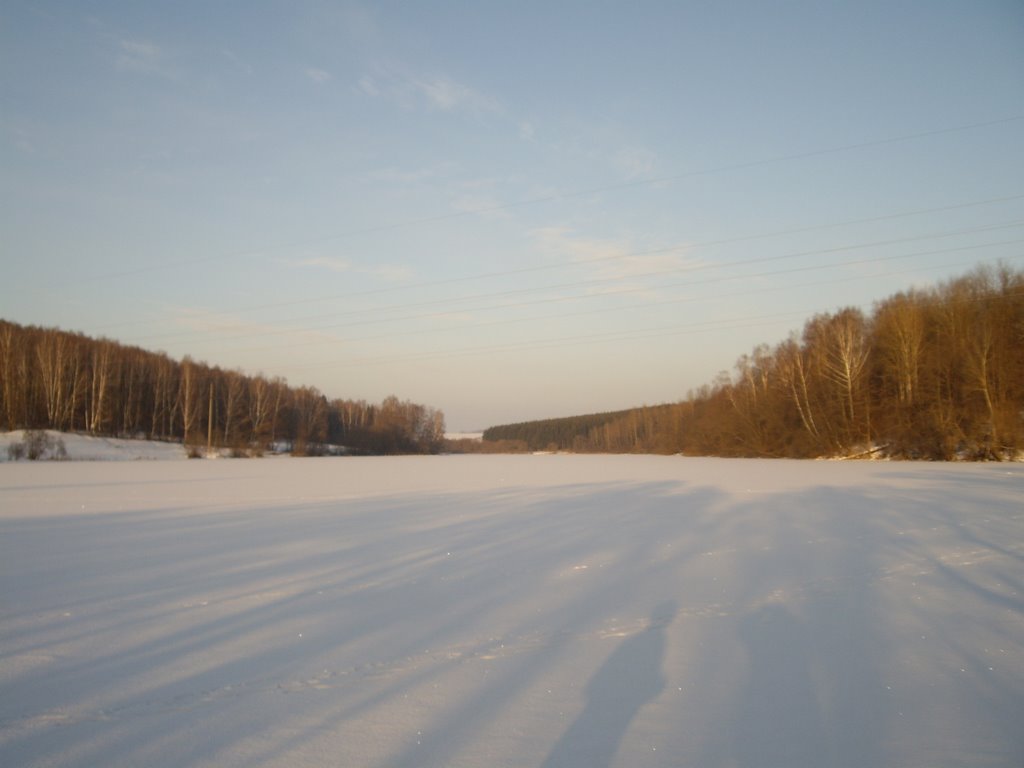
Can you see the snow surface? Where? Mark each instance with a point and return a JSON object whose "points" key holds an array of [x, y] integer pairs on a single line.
{"points": [[486, 611], [464, 435], [90, 448]]}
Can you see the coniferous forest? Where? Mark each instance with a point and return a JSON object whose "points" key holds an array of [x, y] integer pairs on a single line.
{"points": [[53, 379], [928, 374]]}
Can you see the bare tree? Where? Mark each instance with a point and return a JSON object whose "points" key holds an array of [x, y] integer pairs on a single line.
{"points": [[261, 402], [59, 367], [900, 336], [190, 400], [310, 412], [235, 412], [103, 371], [792, 369], [14, 375]]}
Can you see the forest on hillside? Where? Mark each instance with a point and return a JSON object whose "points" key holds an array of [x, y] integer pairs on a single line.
{"points": [[931, 374], [54, 379]]}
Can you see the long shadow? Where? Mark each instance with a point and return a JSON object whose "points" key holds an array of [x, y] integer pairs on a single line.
{"points": [[631, 677], [534, 533], [803, 637], [377, 581], [571, 524], [778, 721]]}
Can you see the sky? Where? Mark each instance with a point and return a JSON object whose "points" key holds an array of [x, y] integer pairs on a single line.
{"points": [[507, 211]]}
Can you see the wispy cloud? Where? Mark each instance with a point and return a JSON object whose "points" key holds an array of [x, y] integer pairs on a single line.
{"points": [[610, 260], [318, 76], [447, 94], [20, 139], [326, 262], [399, 176], [564, 244], [216, 324], [392, 273], [237, 61], [143, 57], [368, 86], [416, 91], [635, 162], [481, 204]]}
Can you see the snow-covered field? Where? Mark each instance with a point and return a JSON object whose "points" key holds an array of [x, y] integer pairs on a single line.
{"points": [[490, 611]]}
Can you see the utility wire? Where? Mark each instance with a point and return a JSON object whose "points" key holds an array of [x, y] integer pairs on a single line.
{"points": [[613, 335], [648, 181], [587, 262], [621, 256], [585, 339], [575, 284], [647, 305]]}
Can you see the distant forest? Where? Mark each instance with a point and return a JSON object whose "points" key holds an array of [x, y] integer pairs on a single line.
{"points": [[53, 379], [929, 374]]}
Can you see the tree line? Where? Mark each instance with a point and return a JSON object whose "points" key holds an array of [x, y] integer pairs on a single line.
{"points": [[557, 433], [931, 374], [54, 379]]}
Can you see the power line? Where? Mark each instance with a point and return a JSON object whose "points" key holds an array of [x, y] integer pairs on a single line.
{"points": [[613, 335], [584, 263], [576, 264], [655, 304], [649, 181], [576, 284], [629, 255]]}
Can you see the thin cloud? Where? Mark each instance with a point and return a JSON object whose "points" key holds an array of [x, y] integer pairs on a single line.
{"points": [[434, 92], [142, 57], [21, 139], [399, 176], [205, 322], [635, 162], [482, 205], [318, 76], [566, 245], [446, 94], [392, 273], [609, 260], [368, 86], [325, 262], [239, 63]]}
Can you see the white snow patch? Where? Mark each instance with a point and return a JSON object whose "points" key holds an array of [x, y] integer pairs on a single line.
{"points": [[91, 448], [464, 436]]}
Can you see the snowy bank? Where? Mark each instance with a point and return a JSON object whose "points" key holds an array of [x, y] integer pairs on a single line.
{"points": [[90, 448]]}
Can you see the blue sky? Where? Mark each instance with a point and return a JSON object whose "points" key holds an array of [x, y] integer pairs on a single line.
{"points": [[505, 210]]}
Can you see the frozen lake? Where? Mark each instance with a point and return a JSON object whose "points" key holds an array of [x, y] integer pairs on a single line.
{"points": [[498, 611]]}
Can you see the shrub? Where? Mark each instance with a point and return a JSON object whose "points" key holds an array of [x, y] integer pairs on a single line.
{"points": [[38, 444]]}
